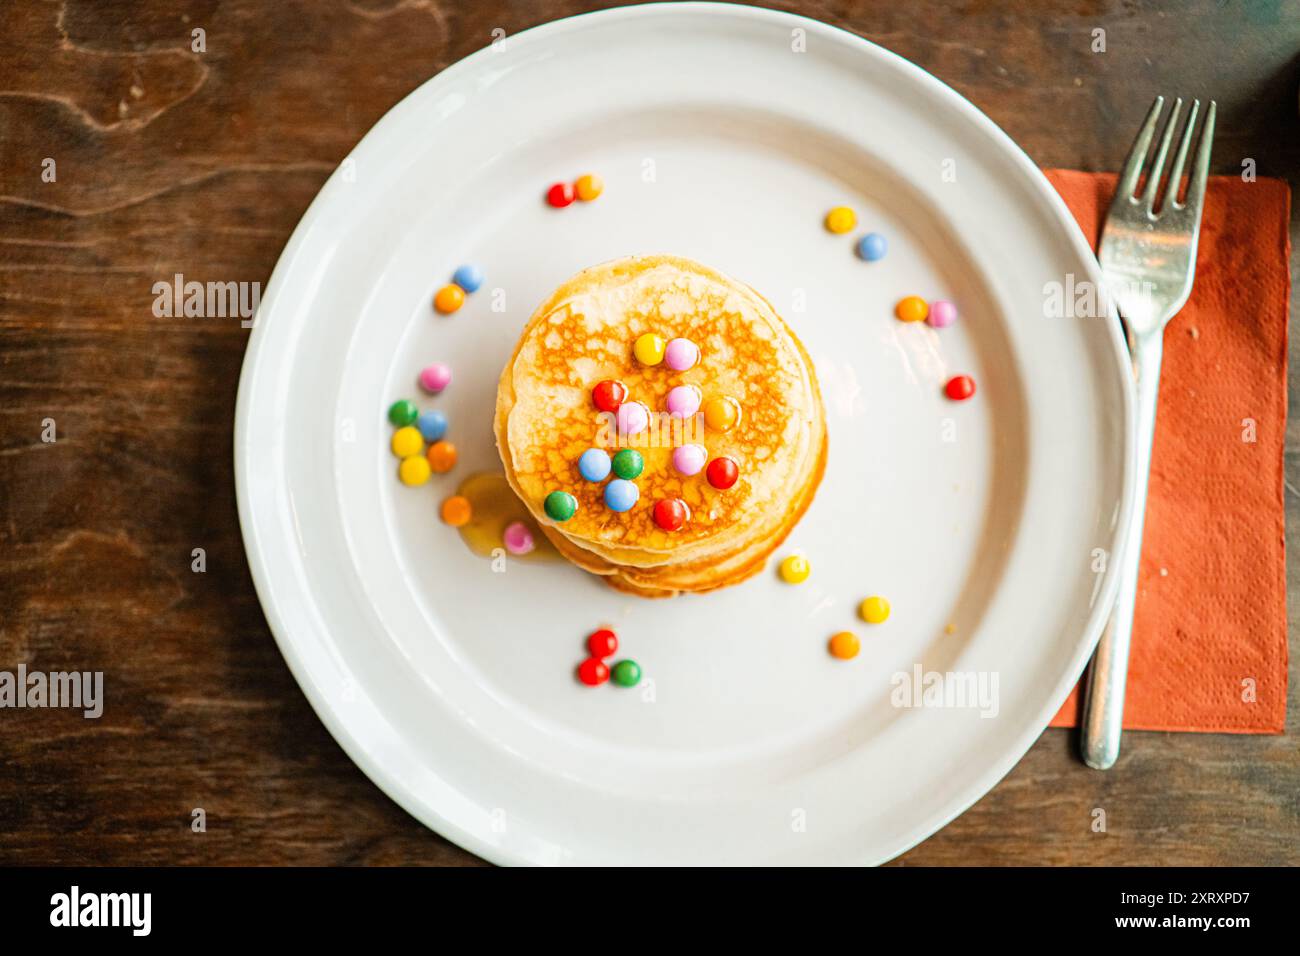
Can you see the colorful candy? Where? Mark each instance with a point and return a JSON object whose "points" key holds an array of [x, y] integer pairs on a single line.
{"points": [[872, 247], [593, 464], [518, 538], [435, 377], [442, 456], [795, 569], [628, 463], [845, 645], [456, 511], [407, 442], [874, 610], [721, 413], [432, 425], [649, 348], [560, 195], [609, 395], [912, 308], [841, 219], [942, 314], [689, 459], [627, 673], [683, 401], [560, 506], [960, 388], [681, 354], [621, 495], [402, 413], [588, 187], [468, 277], [632, 418], [602, 643], [593, 671], [671, 514], [722, 473], [413, 470], [449, 298]]}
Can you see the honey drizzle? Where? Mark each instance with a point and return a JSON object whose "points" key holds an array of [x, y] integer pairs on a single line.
{"points": [[494, 506]]}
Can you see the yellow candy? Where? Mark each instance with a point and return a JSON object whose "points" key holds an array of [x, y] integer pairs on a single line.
{"points": [[414, 470], [912, 309], [407, 442], [874, 610], [795, 569], [845, 645], [721, 413], [588, 187], [649, 349], [841, 219]]}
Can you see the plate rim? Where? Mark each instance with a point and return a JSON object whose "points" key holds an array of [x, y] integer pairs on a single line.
{"points": [[422, 809]]}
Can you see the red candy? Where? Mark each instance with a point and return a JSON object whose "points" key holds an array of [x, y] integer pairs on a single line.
{"points": [[602, 643], [722, 473], [671, 513], [960, 388], [560, 195], [593, 671], [609, 395]]}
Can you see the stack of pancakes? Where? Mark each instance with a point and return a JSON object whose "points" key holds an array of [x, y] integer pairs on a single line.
{"points": [[546, 419]]}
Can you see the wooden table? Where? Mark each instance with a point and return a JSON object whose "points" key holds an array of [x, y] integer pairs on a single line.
{"points": [[173, 161]]}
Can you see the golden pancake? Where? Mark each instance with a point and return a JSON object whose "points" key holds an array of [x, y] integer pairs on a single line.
{"points": [[546, 419]]}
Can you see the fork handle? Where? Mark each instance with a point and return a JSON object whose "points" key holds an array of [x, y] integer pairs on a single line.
{"points": [[1103, 702]]}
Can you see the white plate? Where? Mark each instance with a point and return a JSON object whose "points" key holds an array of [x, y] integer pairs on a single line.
{"points": [[452, 685]]}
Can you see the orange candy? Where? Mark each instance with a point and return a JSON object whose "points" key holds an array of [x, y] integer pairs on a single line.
{"points": [[912, 309], [457, 511], [588, 187], [721, 414], [442, 456], [845, 645], [448, 299]]}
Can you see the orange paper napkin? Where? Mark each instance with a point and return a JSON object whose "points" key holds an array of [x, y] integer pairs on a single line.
{"points": [[1209, 639]]}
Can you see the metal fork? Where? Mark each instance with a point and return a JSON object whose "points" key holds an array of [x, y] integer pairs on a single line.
{"points": [[1148, 257]]}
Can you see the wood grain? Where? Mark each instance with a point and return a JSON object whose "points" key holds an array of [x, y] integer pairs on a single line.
{"points": [[174, 161]]}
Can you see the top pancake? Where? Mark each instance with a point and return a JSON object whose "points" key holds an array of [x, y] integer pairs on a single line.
{"points": [[584, 333]]}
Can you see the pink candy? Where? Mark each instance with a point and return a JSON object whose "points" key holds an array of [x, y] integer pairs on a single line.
{"points": [[684, 401], [681, 354], [689, 459], [436, 377], [517, 538], [633, 417], [942, 314]]}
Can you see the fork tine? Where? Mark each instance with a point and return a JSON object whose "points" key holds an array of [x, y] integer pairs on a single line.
{"points": [[1176, 174], [1137, 155], [1158, 164], [1201, 169]]}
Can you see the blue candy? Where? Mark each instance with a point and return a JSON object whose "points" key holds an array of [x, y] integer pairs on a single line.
{"points": [[432, 425], [621, 495], [594, 464], [872, 246], [468, 277]]}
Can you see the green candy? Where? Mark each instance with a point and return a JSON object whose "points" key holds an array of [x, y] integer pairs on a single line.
{"points": [[402, 413], [627, 673], [560, 506], [628, 463]]}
